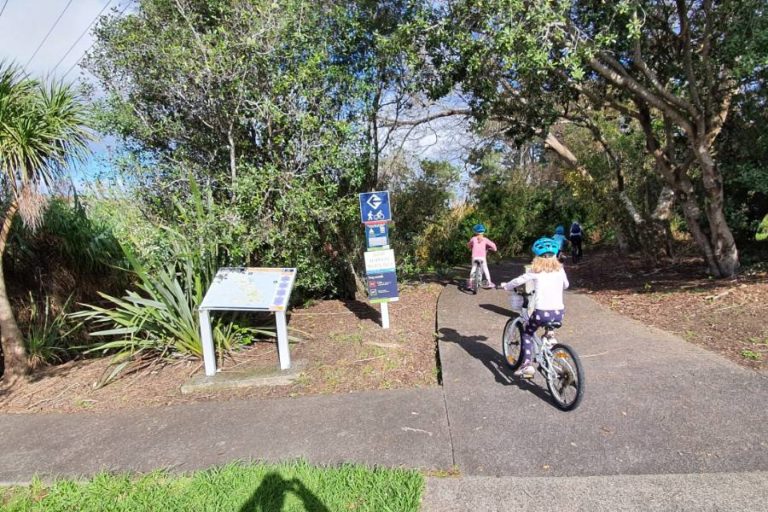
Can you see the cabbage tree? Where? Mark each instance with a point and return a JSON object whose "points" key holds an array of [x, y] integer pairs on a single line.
{"points": [[42, 130]]}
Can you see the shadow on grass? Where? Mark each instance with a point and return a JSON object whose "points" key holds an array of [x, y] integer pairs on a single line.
{"points": [[271, 494]]}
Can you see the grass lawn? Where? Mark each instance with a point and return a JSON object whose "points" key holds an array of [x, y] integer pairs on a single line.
{"points": [[237, 487]]}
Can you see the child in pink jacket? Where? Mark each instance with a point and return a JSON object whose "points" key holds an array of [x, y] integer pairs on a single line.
{"points": [[479, 246]]}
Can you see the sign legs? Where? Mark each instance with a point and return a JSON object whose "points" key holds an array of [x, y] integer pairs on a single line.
{"points": [[206, 336], [283, 351], [385, 315]]}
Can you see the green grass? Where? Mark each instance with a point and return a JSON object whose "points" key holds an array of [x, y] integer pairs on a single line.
{"points": [[286, 487], [751, 355]]}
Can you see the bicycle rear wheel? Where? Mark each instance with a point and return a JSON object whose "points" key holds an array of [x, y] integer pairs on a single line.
{"points": [[476, 279], [566, 381], [512, 343]]}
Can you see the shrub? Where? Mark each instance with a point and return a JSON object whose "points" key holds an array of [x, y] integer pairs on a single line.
{"points": [[160, 318], [47, 332]]}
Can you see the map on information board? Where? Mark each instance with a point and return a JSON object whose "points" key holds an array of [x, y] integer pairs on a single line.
{"points": [[250, 288]]}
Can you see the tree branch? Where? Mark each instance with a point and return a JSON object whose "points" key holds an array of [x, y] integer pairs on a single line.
{"points": [[566, 156], [628, 83], [651, 76], [394, 123], [685, 35]]}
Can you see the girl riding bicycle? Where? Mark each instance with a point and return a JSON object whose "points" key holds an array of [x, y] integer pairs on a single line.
{"points": [[549, 281], [479, 246]]}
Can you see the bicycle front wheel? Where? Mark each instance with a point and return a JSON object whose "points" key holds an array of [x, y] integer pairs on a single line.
{"points": [[512, 343], [566, 378]]}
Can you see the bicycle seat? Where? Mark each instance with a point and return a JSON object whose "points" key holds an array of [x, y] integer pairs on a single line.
{"points": [[553, 325]]}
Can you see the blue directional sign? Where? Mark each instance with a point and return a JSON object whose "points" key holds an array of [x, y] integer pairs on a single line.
{"points": [[382, 287], [374, 207], [376, 235]]}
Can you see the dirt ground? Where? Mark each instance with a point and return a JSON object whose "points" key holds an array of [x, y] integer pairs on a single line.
{"points": [[346, 349], [727, 316], [343, 344]]}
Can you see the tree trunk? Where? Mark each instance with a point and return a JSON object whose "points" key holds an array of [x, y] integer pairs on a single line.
{"points": [[14, 355], [692, 215], [723, 245]]}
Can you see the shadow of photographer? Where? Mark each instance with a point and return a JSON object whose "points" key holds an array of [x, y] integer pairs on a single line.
{"points": [[270, 496]]}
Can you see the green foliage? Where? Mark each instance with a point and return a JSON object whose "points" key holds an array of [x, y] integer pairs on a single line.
{"points": [[421, 199], [69, 236], [287, 487], [751, 355], [743, 147], [270, 126], [762, 230], [46, 331], [445, 241], [160, 318]]}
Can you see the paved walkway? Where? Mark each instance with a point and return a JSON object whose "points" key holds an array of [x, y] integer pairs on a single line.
{"points": [[664, 424]]}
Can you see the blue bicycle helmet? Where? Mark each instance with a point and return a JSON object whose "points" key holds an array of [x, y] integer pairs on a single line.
{"points": [[479, 228], [545, 246], [559, 230]]}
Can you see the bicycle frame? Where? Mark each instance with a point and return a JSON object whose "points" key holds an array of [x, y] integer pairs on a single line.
{"points": [[541, 346]]}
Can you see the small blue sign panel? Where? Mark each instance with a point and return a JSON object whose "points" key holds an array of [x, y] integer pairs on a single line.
{"points": [[376, 235], [374, 207], [382, 287]]}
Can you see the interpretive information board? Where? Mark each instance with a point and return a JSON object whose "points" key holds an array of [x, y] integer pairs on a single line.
{"points": [[248, 289]]}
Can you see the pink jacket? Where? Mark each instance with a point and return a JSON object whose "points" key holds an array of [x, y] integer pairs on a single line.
{"points": [[480, 246]]}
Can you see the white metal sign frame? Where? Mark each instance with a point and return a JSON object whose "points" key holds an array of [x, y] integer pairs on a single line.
{"points": [[247, 289]]}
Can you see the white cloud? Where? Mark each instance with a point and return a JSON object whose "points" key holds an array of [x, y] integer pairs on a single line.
{"points": [[24, 24]]}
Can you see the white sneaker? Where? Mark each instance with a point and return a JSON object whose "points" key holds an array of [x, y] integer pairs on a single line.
{"points": [[527, 371]]}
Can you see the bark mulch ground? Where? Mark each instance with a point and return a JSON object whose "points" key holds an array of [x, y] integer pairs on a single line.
{"points": [[728, 316], [346, 349], [342, 343]]}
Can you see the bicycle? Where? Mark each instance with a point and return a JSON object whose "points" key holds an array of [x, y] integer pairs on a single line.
{"points": [[557, 362], [476, 276], [575, 250]]}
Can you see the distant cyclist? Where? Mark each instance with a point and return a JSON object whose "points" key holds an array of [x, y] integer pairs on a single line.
{"points": [[560, 238], [549, 280], [480, 246], [575, 236]]}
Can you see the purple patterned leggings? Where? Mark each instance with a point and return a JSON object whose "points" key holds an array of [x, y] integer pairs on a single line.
{"points": [[538, 318]]}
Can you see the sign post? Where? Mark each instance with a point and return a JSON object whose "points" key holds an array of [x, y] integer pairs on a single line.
{"points": [[375, 214], [247, 289]]}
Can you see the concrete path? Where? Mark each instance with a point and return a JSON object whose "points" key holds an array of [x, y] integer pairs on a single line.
{"points": [[654, 404], [664, 425], [389, 428], [706, 492]]}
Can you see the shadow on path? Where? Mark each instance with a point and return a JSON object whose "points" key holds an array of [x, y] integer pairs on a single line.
{"points": [[494, 361], [480, 351], [270, 495], [498, 310]]}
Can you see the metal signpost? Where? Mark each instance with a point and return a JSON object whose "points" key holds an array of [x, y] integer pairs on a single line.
{"points": [[247, 289], [375, 214]]}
